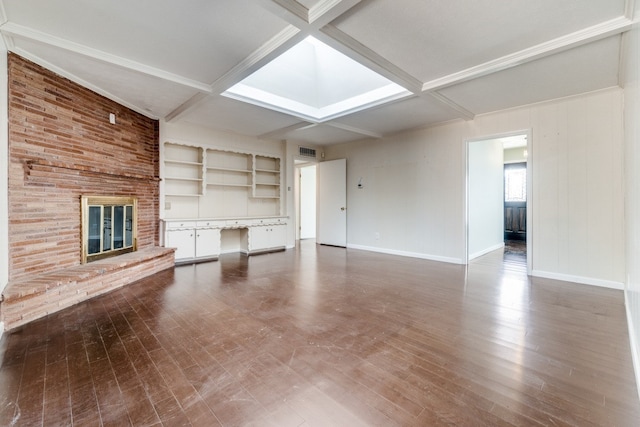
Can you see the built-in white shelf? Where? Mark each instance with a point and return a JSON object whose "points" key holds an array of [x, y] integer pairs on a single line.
{"points": [[229, 183]]}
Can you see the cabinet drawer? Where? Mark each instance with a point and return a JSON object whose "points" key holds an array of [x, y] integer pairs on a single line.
{"points": [[268, 221], [210, 224], [233, 223], [176, 225]]}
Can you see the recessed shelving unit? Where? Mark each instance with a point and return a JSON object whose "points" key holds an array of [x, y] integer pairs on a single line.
{"points": [[266, 178], [228, 169], [221, 183], [218, 201], [183, 171]]}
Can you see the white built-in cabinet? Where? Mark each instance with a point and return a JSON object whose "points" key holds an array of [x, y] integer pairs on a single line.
{"points": [[210, 193]]}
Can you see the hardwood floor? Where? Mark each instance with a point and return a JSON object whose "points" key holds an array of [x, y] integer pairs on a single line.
{"points": [[323, 336]]}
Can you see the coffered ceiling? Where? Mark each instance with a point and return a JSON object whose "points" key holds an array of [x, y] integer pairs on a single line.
{"points": [[172, 60]]}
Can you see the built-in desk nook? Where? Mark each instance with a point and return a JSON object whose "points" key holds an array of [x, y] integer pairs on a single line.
{"points": [[220, 201], [205, 240]]}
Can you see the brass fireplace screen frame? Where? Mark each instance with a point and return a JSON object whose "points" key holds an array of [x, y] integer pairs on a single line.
{"points": [[109, 226]]}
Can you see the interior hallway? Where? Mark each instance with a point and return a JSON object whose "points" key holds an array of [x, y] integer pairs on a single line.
{"points": [[327, 336]]}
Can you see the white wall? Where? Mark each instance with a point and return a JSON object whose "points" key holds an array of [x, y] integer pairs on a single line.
{"points": [[415, 190], [485, 197], [515, 155], [631, 82]]}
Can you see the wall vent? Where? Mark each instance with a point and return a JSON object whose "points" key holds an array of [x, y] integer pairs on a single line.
{"points": [[307, 152]]}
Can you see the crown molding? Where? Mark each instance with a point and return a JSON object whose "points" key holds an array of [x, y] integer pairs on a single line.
{"points": [[352, 129], [278, 44], [578, 38], [349, 46], [18, 31], [326, 11], [282, 132], [462, 112]]}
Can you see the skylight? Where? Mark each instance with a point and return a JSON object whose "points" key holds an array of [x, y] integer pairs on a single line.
{"points": [[315, 82]]}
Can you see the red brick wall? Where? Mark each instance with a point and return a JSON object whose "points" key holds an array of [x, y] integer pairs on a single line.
{"points": [[62, 146]]}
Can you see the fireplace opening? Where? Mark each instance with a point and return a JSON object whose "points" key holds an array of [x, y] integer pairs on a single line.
{"points": [[109, 226]]}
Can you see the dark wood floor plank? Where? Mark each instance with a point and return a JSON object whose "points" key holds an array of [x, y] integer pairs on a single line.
{"points": [[328, 336]]}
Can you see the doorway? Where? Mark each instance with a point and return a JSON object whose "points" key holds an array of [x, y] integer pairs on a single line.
{"points": [[498, 196], [307, 202]]}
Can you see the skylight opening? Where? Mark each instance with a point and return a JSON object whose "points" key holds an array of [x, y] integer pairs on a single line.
{"points": [[315, 82]]}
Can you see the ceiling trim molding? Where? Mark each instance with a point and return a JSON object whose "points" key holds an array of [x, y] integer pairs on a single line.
{"points": [[629, 9], [352, 129], [185, 106], [265, 53], [19, 31], [349, 46], [277, 45], [82, 82], [578, 38], [282, 132], [3, 14], [297, 10], [457, 108], [328, 10]]}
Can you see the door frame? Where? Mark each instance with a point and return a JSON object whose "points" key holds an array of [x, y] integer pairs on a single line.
{"points": [[530, 190], [297, 165]]}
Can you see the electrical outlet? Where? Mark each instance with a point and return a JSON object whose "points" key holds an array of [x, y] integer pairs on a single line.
{"points": [[377, 236]]}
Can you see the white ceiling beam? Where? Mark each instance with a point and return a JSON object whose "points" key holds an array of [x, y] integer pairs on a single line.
{"points": [[355, 50], [273, 48], [281, 133], [453, 106], [186, 106], [587, 35], [326, 11], [290, 11], [309, 20], [629, 8], [18, 31], [3, 14], [281, 42], [352, 129]]}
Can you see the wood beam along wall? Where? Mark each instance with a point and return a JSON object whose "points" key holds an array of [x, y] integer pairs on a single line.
{"points": [[61, 145]]}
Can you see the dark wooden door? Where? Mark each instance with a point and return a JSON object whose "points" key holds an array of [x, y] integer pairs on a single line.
{"points": [[515, 203], [515, 220]]}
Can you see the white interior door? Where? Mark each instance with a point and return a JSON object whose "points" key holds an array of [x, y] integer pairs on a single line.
{"points": [[332, 203]]}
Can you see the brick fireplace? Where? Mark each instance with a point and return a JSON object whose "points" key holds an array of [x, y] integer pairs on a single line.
{"points": [[62, 146]]}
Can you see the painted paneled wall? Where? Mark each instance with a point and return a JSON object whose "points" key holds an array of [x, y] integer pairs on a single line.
{"points": [[415, 192], [632, 188], [486, 197]]}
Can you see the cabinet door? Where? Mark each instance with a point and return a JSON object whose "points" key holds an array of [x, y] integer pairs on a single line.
{"points": [[184, 241], [278, 236], [207, 242], [259, 237]]}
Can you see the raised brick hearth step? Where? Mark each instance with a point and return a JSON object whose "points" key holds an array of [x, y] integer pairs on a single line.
{"points": [[34, 297]]}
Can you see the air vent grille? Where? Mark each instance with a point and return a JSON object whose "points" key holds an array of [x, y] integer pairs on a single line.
{"points": [[307, 152]]}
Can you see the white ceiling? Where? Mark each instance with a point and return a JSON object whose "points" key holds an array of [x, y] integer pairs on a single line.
{"points": [[172, 59]]}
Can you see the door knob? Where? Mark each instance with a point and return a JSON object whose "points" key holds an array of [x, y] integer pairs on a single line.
{"points": [[342, 208]]}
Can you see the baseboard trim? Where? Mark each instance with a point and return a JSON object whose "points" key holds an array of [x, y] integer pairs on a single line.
{"points": [[579, 279], [635, 345], [407, 254], [486, 251]]}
